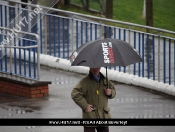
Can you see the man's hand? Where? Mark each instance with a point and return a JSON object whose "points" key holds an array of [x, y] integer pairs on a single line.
{"points": [[89, 108], [108, 92]]}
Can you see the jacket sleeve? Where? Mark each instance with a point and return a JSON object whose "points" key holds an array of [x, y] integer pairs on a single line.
{"points": [[77, 95], [113, 91]]}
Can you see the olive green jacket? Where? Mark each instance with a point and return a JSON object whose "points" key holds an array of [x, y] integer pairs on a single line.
{"points": [[85, 92]]}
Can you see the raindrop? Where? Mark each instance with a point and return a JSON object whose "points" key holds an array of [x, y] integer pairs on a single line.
{"points": [[141, 116], [160, 111], [149, 116], [167, 116], [18, 112], [10, 114], [28, 111], [145, 99], [171, 115], [136, 100], [127, 99], [144, 116], [160, 116], [154, 116], [23, 112], [28, 127], [131, 99]]}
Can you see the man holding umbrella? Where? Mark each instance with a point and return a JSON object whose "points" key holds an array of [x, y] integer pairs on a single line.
{"points": [[92, 94], [94, 90]]}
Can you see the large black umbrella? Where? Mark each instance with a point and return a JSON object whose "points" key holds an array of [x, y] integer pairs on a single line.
{"points": [[105, 52]]}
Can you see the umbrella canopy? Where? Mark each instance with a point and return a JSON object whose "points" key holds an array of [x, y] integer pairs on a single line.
{"points": [[105, 52]]}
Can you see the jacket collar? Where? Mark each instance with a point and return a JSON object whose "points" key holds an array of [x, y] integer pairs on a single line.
{"points": [[91, 76]]}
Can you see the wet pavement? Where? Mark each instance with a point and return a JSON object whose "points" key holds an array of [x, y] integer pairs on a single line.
{"points": [[130, 102]]}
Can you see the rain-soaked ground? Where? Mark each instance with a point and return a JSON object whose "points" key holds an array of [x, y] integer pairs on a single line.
{"points": [[130, 102]]}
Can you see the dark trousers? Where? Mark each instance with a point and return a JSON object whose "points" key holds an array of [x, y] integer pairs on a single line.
{"points": [[99, 129]]}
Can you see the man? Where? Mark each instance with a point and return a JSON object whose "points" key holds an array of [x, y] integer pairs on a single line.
{"points": [[92, 94]]}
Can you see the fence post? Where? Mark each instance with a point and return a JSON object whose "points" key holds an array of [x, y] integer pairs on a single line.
{"points": [[100, 30], [10, 56], [72, 33], [159, 56], [38, 56], [45, 34], [174, 63], [129, 33]]}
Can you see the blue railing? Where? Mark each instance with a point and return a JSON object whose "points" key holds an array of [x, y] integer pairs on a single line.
{"points": [[18, 55], [60, 35]]}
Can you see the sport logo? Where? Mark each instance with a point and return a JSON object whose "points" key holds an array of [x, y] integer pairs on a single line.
{"points": [[107, 52]]}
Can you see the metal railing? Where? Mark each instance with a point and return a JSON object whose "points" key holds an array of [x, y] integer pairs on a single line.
{"points": [[19, 55], [62, 32]]}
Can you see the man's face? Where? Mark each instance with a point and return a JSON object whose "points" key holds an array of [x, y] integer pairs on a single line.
{"points": [[95, 71]]}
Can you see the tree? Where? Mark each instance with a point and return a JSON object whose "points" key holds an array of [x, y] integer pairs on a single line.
{"points": [[87, 5], [60, 2], [24, 6], [55, 3], [66, 2], [149, 22], [109, 9], [101, 6], [149, 12]]}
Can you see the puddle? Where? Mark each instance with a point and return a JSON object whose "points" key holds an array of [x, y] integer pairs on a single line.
{"points": [[5, 98], [25, 108]]}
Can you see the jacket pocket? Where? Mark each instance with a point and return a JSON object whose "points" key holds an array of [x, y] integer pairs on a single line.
{"points": [[89, 115], [107, 114]]}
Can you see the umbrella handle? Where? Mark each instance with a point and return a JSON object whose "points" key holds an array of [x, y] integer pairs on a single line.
{"points": [[107, 85], [107, 78]]}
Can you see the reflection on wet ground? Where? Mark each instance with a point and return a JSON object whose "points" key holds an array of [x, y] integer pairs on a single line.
{"points": [[4, 98], [130, 102]]}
